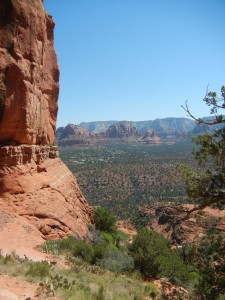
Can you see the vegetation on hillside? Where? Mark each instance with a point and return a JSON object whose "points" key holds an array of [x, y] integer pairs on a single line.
{"points": [[149, 255], [79, 280], [124, 176], [130, 176], [200, 270]]}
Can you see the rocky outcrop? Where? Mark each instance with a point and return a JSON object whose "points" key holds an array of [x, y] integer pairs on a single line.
{"points": [[151, 138], [174, 221], [34, 183], [29, 73], [20, 155], [121, 130], [73, 135]]}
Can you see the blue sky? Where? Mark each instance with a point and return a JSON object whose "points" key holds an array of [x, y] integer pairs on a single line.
{"points": [[137, 59]]}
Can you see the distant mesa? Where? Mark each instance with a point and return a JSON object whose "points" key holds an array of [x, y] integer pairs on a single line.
{"points": [[154, 132], [122, 130], [73, 135], [149, 132]]}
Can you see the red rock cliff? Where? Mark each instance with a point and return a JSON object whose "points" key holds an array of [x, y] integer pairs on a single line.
{"points": [[34, 182], [29, 73]]}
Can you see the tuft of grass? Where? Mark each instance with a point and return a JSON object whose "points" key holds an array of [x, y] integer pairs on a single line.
{"points": [[151, 290], [82, 281], [40, 269]]}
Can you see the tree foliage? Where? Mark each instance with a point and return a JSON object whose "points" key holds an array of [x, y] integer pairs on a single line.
{"points": [[206, 185], [154, 258], [211, 264], [104, 220], [208, 256]]}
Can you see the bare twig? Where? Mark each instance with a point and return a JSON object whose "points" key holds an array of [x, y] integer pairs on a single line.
{"points": [[218, 120]]}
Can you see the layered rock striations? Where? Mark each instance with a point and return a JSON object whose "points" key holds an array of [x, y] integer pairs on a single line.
{"points": [[29, 73], [34, 182]]}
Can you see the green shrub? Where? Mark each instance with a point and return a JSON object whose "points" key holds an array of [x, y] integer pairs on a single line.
{"points": [[59, 246], [91, 227], [210, 260], [104, 220], [50, 247], [98, 252], [116, 261], [151, 290], [40, 269], [154, 258], [68, 244], [172, 267], [83, 250], [145, 251], [120, 238], [107, 237]]}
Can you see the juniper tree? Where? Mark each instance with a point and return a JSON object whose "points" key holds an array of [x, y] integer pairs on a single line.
{"points": [[206, 185]]}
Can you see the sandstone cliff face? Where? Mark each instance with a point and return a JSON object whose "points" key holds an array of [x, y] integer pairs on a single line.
{"points": [[34, 183], [29, 74]]}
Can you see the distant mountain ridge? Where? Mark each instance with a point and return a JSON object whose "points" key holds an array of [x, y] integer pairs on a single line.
{"points": [[151, 132], [97, 126], [181, 125]]}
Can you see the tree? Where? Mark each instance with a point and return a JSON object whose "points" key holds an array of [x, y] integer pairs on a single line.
{"points": [[206, 185], [104, 220], [210, 260], [154, 257]]}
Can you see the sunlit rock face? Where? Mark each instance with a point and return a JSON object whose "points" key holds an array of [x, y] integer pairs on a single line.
{"points": [[34, 182], [29, 73]]}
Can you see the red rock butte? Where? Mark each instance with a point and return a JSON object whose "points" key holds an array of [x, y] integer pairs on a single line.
{"points": [[34, 182]]}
